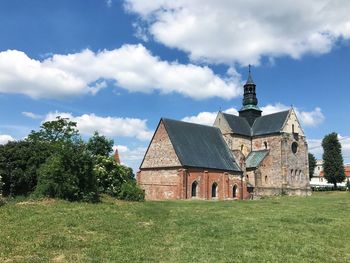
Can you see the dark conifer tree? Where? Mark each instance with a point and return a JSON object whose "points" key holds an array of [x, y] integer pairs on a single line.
{"points": [[333, 164], [312, 165]]}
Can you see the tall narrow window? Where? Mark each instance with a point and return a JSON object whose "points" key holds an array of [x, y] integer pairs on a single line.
{"points": [[265, 178], [214, 190], [292, 128], [194, 189], [265, 143], [234, 191], [242, 148]]}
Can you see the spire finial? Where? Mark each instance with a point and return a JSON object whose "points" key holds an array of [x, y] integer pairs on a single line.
{"points": [[250, 78]]}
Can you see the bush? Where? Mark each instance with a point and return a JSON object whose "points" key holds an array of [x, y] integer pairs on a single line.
{"points": [[130, 191], [68, 175], [2, 201]]}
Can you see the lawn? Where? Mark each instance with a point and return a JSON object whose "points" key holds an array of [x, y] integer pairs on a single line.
{"points": [[281, 229]]}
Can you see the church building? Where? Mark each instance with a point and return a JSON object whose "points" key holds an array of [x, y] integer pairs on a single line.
{"points": [[239, 157]]}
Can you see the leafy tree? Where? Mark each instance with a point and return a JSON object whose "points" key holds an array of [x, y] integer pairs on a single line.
{"points": [[333, 164], [312, 165], [19, 163], [100, 145], [60, 130], [68, 174]]}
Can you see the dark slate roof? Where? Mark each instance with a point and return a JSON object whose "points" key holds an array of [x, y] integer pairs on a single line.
{"points": [[267, 124], [238, 124], [255, 158], [271, 123], [200, 146]]}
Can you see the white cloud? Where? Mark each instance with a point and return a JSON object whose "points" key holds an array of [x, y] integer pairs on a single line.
{"points": [[4, 138], [244, 31], [87, 124], [131, 157], [307, 118], [315, 147], [131, 67], [312, 118], [207, 118], [109, 3], [32, 115]]}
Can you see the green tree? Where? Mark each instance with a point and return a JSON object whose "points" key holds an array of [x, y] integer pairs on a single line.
{"points": [[312, 164], [333, 164], [111, 175], [19, 163], [68, 174], [99, 145], [57, 131]]}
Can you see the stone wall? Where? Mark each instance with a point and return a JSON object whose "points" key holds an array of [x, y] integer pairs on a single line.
{"points": [[161, 152]]}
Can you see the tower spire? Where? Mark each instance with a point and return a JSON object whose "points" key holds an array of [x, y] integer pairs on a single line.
{"points": [[250, 109]]}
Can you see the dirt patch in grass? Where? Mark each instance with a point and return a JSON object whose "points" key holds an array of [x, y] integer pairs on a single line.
{"points": [[46, 201]]}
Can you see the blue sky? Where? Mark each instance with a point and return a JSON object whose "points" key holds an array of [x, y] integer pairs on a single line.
{"points": [[119, 66]]}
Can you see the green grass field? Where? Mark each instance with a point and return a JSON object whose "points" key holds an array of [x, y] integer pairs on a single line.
{"points": [[281, 229]]}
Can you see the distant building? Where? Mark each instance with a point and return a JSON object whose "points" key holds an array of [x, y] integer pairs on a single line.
{"points": [[240, 157], [318, 179]]}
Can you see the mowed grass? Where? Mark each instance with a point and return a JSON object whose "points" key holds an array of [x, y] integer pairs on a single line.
{"points": [[281, 229]]}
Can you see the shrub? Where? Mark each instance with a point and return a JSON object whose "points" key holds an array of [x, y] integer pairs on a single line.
{"points": [[130, 191], [68, 175], [111, 175]]}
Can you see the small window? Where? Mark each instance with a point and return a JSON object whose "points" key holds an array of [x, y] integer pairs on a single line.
{"points": [[265, 178], [247, 177], [194, 189], [214, 190], [242, 148], [292, 128], [265, 143]]}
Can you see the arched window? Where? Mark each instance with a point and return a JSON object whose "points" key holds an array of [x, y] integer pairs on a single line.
{"points": [[194, 189], [296, 174], [214, 190], [265, 143], [265, 178], [234, 191], [300, 175]]}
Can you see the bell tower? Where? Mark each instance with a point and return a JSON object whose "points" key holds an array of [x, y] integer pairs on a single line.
{"points": [[250, 110]]}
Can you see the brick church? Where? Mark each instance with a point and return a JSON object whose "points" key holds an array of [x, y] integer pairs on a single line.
{"points": [[239, 157]]}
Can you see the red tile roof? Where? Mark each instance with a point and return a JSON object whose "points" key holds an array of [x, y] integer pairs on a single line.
{"points": [[346, 169]]}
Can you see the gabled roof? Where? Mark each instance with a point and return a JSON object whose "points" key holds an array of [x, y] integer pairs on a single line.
{"points": [[267, 124], [255, 158], [271, 123], [238, 124], [200, 146]]}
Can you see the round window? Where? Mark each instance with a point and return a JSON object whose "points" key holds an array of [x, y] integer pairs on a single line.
{"points": [[294, 147]]}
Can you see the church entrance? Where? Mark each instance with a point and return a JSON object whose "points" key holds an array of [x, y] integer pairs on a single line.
{"points": [[214, 190]]}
